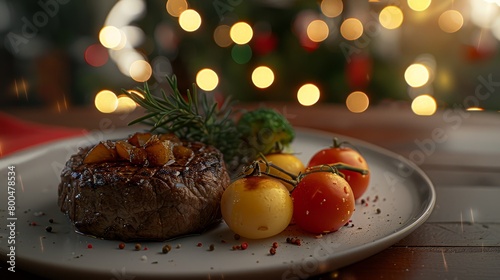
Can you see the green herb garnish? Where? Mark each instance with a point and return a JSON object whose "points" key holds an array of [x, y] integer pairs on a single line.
{"points": [[196, 117]]}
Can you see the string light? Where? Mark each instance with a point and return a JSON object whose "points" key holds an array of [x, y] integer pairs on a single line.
{"points": [[241, 54], [357, 102], [96, 55], [241, 33], [125, 104], [207, 79], [136, 92], [419, 5], [106, 101], [262, 77], [308, 94], [451, 21], [111, 37], [140, 71], [416, 75], [424, 105], [176, 7], [317, 31], [474, 109], [190, 20], [332, 8], [221, 36], [134, 36], [391, 17], [351, 29]]}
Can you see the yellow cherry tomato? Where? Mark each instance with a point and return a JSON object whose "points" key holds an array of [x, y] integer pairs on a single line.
{"points": [[257, 207], [287, 162]]}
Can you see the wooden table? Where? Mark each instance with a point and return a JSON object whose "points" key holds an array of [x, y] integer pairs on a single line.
{"points": [[459, 150]]}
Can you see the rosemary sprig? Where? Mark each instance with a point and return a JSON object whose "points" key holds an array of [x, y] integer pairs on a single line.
{"points": [[194, 118]]}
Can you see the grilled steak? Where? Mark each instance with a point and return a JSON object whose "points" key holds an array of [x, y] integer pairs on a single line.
{"points": [[125, 201]]}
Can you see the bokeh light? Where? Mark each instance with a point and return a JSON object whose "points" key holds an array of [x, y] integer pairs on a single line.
{"points": [[106, 101], [417, 75], [332, 8], [474, 109], [308, 94], [262, 77], [176, 7], [495, 28], [391, 17], [111, 37], [136, 92], [241, 54], [221, 36], [419, 5], [451, 21], [125, 104], [241, 33], [483, 13], [96, 55], [424, 105], [190, 20], [140, 71], [357, 102], [207, 79], [317, 30], [124, 59], [134, 35], [351, 29]]}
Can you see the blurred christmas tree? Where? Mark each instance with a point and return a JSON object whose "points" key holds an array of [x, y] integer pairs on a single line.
{"points": [[340, 47], [360, 52]]}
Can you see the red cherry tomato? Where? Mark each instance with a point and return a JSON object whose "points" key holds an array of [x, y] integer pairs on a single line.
{"points": [[341, 154], [322, 202]]}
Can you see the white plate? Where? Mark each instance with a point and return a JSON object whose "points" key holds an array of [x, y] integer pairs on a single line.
{"points": [[405, 199]]}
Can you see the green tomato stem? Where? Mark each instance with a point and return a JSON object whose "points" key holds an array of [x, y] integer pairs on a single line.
{"points": [[339, 144], [342, 166], [333, 168], [295, 179]]}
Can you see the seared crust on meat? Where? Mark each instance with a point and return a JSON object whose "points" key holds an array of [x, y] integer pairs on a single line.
{"points": [[123, 201]]}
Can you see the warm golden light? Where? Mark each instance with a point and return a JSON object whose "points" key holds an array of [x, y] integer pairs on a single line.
{"points": [[351, 29], [451, 21], [332, 8], [424, 105], [308, 94], [419, 5], [136, 92], [140, 71], [125, 105], [207, 79], [317, 31], [111, 37], [221, 36], [391, 17], [417, 75], [357, 102], [106, 101], [241, 33], [176, 7], [495, 28], [475, 109], [262, 77], [190, 20]]}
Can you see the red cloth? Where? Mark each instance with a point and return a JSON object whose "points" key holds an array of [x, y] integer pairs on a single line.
{"points": [[16, 134]]}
